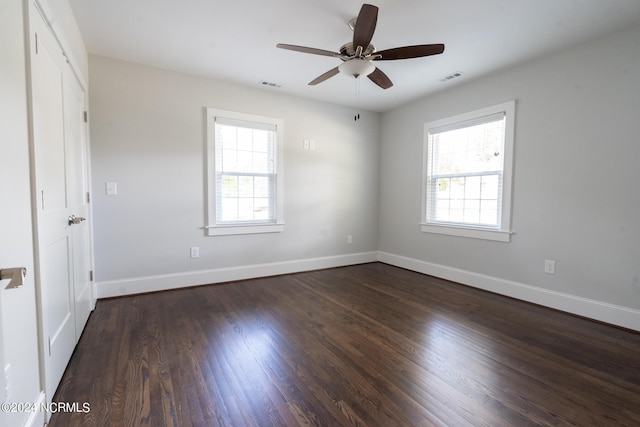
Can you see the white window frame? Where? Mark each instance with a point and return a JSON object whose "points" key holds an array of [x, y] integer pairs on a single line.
{"points": [[217, 228], [502, 232]]}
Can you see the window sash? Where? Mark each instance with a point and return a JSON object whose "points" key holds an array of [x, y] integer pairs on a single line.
{"points": [[244, 200], [487, 210]]}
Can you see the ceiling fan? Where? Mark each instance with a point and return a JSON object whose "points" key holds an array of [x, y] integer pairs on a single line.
{"points": [[358, 55]]}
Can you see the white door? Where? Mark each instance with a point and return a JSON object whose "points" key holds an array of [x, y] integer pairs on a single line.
{"points": [[78, 197], [59, 150]]}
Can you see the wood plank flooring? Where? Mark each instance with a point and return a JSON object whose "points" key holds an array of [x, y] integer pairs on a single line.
{"points": [[365, 345]]}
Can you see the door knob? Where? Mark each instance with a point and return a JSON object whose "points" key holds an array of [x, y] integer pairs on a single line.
{"points": [[75, 219]]}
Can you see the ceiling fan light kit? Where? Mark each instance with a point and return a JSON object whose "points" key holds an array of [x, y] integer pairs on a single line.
{"points": [[358, 56], [357, 67]]}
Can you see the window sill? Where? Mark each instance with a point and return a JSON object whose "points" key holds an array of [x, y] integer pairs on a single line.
{"points": [[229, 230], [474, 233]]}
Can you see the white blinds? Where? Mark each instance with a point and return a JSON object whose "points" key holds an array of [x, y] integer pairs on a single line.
{"points": [[476, 121]]}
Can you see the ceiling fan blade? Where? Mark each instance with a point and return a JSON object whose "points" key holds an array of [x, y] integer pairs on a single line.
{"points": [[407, 52], [380, 78], [311, 50], [324, 76], [365, 26]]}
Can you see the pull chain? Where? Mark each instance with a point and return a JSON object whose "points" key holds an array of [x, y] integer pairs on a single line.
{"points": [[356, 112]]}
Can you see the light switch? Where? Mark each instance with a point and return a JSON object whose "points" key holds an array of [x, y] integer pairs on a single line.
{"points": [[111, 188]]}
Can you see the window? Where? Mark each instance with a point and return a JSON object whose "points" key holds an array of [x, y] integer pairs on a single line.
{"points": [[244, 173], [467, 174]]}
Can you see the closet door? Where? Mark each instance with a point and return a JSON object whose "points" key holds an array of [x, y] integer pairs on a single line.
{"points": [[61, 212], [76, 153]]}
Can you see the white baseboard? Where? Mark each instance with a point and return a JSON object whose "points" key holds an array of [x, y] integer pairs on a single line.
{"points": [[38, 418], [609, 313], [163, 282], [593, 309]]}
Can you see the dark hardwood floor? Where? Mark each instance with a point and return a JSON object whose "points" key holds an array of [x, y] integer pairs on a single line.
{"points": [[367, 345]]}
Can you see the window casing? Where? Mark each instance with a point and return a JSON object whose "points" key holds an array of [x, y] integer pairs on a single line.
{"points": [[467, 174], [244, 165]]}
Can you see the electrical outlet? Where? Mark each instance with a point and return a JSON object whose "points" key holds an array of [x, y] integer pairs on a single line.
{"points": [[549, 266], [195, 252], [349, 239]]}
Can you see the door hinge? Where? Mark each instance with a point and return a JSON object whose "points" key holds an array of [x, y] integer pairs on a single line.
{"points": [[36, 37], [91, 275], [88, 197], [85, 117]]}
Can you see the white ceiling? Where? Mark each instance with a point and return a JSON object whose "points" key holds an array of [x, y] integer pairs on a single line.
{"points": [[235, 40]]}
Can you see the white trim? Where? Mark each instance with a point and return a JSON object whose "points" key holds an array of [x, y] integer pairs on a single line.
{"points": [[38, 417], [474, 233], [228, 230], [136, 285], [597, 310]]}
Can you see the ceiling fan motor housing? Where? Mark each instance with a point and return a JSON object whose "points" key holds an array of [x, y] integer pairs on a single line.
{"points": [[348, 50]]}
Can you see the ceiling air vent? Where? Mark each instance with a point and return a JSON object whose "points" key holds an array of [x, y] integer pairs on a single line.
{"points": [[270, 84], [451, 76]]}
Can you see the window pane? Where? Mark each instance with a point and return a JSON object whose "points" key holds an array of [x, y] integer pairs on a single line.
{"points": [[261, 163], [472, 187], [489, 212], [229, 186], [229, 160], [457, 188], [456, 210], [444, 188], [229, 209], [261, 140], [442, 210], [490, 187], [227, 137], [261, 186], [245, 186], [245, 161], [245, 139], [261, 208]]}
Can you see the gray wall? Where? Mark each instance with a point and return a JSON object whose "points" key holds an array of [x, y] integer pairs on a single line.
{"points": [[576, 197], [148, 135]]}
